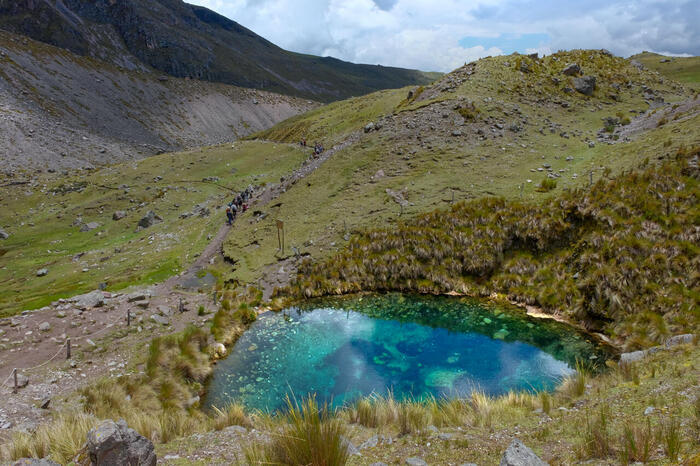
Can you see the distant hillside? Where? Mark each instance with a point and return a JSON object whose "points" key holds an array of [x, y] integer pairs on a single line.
{"points": [[59, 110], [183, 40], [682, 69]]}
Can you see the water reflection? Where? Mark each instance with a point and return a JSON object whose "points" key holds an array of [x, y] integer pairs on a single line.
{"points": [[343, 349]]}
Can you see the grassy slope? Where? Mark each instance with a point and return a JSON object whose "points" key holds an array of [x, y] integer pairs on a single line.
{"points": [[682, 69], [342, 195], [43, 235]]}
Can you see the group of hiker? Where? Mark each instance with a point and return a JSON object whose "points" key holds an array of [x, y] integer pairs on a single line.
{"points": [[318, 147], [238, 204]]}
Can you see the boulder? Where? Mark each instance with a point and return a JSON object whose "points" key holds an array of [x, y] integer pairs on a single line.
{"points": [[369, 127], [89, 300], [626, 358], [518, 454], [112, 443], [572, 69], [42, 272], [118, 215], [150, 219], [44, 326], [637, 64], [22, 381], [160, 319], [89, 226], [3, 234], [34, 462], [680, 340], [585, 85]]}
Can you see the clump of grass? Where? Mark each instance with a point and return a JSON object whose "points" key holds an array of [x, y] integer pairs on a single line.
{"points": [[231, 415], [201, 311], [412, 417], [575, 386], [546, 185], [670, 435], [637, 442], [482, 406], [597, 440], [545, 402], [311, 437]]}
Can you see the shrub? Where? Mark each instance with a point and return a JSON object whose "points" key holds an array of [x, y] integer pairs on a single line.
{"points": [[597, 442]]}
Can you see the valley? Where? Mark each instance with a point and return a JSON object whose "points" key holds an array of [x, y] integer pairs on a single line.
{"points": [[517, 202]]}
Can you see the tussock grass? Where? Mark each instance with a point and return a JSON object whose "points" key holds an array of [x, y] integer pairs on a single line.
{"points": [[311, 437], [613, 258]]}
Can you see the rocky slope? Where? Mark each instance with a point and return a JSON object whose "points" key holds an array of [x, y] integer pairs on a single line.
{"points": [[189, 41], [59, 110]]}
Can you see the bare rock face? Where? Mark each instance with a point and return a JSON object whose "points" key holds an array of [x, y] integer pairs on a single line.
{"points": [[518, 454], [3, 234], [112, 443]]}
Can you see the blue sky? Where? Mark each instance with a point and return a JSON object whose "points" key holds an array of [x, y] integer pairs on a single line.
{"points": [[440, 35]]}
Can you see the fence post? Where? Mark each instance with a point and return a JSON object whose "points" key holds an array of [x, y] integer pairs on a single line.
{"points": [[14, 374], [128, 317], [68, 348]]}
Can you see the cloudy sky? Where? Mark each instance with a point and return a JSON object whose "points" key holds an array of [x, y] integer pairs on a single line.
{"points": [[440, 35]]}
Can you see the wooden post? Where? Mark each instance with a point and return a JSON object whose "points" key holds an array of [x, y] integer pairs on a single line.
{"points": [[280, 235], [181, 307], [401, 210], [128, 317], [14, 374], [590, 178], [68, 348], [214, 296]]}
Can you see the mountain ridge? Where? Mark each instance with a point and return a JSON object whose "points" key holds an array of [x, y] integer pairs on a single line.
{"points": [[184, 40]]}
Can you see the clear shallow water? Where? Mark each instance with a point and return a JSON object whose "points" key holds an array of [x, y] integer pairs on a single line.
{"points": [[345, 348]]}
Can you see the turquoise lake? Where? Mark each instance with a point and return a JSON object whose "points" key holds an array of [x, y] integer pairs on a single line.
{"points": [[345, 348]]}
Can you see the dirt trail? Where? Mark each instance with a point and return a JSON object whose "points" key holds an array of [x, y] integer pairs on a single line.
{"points": [[101, 343]]}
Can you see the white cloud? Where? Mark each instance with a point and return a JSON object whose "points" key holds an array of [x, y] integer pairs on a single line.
{"points": [[425, 34]]}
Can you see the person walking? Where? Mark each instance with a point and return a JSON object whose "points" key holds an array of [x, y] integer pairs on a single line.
{"points": [[229, 215]]}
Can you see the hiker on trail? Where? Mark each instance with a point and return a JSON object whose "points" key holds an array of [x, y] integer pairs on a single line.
{"points": [[229, 215]]}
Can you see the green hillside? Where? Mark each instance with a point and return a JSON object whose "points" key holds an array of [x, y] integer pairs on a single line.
{"points": [[682, 69], [487, 129]]}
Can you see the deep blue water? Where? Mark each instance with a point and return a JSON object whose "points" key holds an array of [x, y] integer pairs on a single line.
{"points": [[343, 349]]}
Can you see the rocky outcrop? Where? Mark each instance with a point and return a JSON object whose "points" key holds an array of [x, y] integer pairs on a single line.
{"points": [[585, 85], [518, 454], [112, 443], [34, 462], [3, 234], [572, 69], [150, 219]]}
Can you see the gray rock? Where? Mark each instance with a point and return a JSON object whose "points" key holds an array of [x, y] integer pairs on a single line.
{"points": [[112, 443], [572, 69], [160, 319], [4, 234], [637, 64], [118, 215], [369, 127], [193, 401], [379, 464], [89, 226], [585, 85], [649, 410], [415, 461], [44, 326], [518, 454], [456, 133], [164, 310], [45, 402], [680, 340], [626, 358], [236, 429], [468, 464], [34, 462], [524, 67], [89, 300], [22, 381], [606, 52], [42, 272], [370, 442], [445, 436], [352, 449], [150, 219], [138, 296]]}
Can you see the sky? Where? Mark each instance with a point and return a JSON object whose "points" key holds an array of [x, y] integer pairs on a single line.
{"points": [[441, 35]]}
